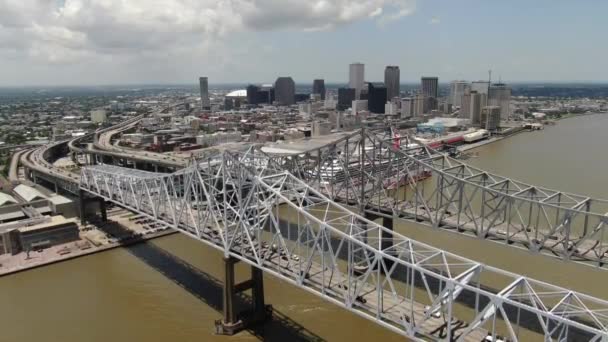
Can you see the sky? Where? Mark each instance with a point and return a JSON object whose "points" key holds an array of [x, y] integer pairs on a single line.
{"points": [[105, 42]]}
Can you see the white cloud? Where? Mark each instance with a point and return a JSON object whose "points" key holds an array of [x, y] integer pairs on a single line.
{"points": [[66, 30]]}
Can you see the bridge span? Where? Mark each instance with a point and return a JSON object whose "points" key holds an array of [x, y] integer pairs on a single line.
{"points": [[385, 177], [236, 203]]}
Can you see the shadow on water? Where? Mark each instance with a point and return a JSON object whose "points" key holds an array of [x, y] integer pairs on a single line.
{"points": [[209, 290]]}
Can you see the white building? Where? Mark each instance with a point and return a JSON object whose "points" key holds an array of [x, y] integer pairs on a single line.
{"points": [[137, 138], [330, 102], [418, 105], [321, 128], [358, 106], [356, 78], [218, 138], [305, 108], [407, 107], [457, 90], [391, 108]]}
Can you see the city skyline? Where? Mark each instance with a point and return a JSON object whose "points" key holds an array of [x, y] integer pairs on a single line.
{"points": [[53, 43]]}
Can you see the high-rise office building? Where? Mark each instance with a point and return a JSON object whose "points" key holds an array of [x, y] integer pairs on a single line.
{"points": [[500, 95], [476, 106], [318, 87], [356, 78], [490, 117], [376, 97], [285, 91], [258, 95], [457, 90], [430, 86], [472, 104], [465, 105], [267, 93], [205, 101], [480, 86], [346, 96], [253, 94], [392, 81]]}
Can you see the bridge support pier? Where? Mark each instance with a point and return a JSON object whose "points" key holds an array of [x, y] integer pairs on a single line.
{"points": [[387, 238], [82, 206], [103, 209], [233, 321], [83, 201]]}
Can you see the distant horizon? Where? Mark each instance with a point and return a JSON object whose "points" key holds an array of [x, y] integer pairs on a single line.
{"points": [[298, 83]]}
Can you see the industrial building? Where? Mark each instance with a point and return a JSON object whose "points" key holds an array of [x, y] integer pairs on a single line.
{"points": [[51, 231]]}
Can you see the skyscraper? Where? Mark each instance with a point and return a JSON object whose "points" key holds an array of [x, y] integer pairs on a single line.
{"points": [[356, 78], [430, 86], [285, 91], [376, 98], [252, 94], [490, 117], [318, 87], [205, 102], [392, 82], [476, 107], [457, 90], [500, 95], [480, 87]]}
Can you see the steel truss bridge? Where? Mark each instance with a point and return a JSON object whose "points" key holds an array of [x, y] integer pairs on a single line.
{"points": [[292, 216]]}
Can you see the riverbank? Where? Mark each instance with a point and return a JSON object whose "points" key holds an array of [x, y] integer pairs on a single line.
{"points": [[22, 262]]}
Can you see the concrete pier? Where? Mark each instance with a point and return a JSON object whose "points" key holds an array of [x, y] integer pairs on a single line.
{"points": [[234, 321]]}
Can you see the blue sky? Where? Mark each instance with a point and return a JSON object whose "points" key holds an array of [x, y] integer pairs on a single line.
{"points": [[519, 40], [69, 42]]}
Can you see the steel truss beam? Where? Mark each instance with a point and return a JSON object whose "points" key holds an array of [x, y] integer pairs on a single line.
{"points": [[368, 170], [249, 207]]}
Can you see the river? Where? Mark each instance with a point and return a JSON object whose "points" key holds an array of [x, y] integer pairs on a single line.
{"points": [[168, 289]]}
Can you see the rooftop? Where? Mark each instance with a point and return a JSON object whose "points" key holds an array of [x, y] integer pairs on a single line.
{"points": [[28, 193], [7, 199]]}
